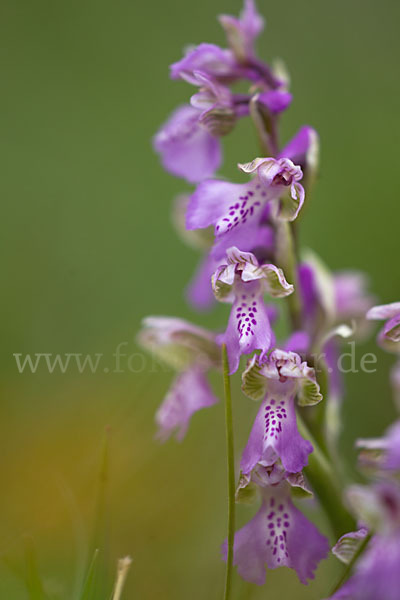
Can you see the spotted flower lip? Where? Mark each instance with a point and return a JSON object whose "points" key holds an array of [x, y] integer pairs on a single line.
{"points": [[276, 380], [389, 336], [279, 535], [242, 282], [236, 210]]}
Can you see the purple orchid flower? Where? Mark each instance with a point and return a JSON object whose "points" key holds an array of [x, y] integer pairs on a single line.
{"points": [[389, 336], [242, 32], [216, 103], [199, 292], [242, 282], [377, 573], [381, 456], [279, 535], [187, 149], [191, 351], [236, 210], [328, 300], [276, 380], [216, 62]]}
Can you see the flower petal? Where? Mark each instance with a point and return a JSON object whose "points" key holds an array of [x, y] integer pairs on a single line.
{"points": [[274, 281], [199, 291], [242, 32], [248, 327], [384, 311], [279, 535], [290, 203], [187, 149], [377, 573], [274, 434], [298, 342], [276, 101], [189, 393], [208, 58], [347, 546], [179, 343], [303, 150], [261, 376], [214, 200], [391, 329]]}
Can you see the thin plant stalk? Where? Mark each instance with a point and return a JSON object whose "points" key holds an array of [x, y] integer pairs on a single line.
{"points": [[122, 572], [231, 474]]}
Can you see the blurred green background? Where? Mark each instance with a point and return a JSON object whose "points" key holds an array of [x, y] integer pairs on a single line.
{"points": [[88, 250]]}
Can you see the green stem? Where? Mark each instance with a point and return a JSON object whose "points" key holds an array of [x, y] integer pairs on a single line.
{"points": [[231, 473], [349, 567], [326, 486]]}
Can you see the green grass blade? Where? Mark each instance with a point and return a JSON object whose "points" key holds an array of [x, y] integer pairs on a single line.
{"points": [[88, 586]]}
